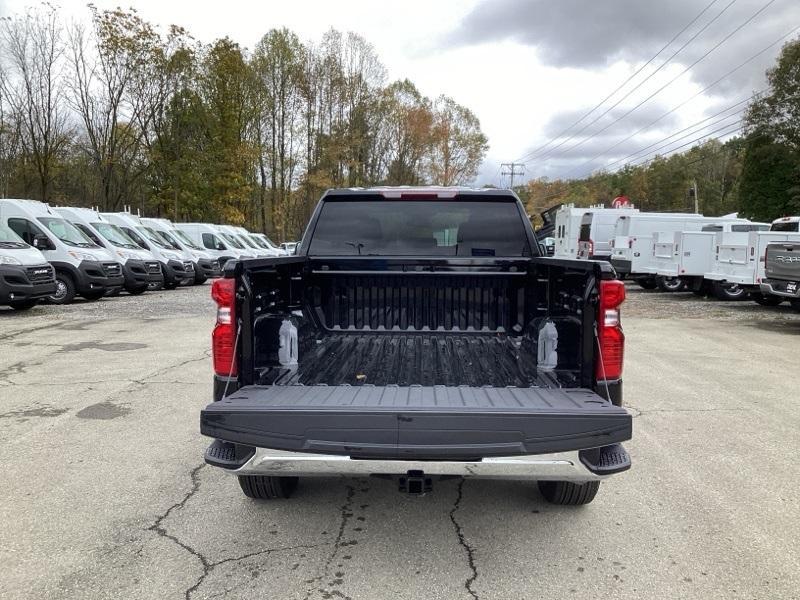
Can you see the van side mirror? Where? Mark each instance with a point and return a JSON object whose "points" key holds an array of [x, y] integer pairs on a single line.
{"points": [[221, 246], [42, 242]]}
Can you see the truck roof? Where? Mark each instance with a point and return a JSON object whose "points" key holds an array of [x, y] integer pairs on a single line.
{"points": [[422, 192]]}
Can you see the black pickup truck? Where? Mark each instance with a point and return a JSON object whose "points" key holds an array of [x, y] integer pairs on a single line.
{"points": [[417, 334], [782, 271]]}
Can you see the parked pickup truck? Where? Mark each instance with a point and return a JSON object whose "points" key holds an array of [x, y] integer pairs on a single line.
{"points": [[417, 334], [782, 270]]}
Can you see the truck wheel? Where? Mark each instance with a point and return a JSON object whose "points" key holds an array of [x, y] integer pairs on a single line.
{"points": [[264, 487], [647, 283], [725, 292], [23, 304], [199, 279], [767, 299], [567, 493], [670, 284], [65, 290]]}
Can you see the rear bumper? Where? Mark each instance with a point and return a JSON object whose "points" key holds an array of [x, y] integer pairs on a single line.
{"points": [[562, 466], [779, 287], [19, 283]]}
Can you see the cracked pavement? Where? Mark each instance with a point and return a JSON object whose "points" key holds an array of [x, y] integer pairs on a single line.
{"points": [[105, 494]]}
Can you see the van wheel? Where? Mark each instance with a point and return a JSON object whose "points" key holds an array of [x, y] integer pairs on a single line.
{"points": [[264, 487], [728, 291], [171, 285], [647, 283], [567, 493], [795, 305], [767, 299], [65, 290], [23, 304], [670, 284], [200, 279]]}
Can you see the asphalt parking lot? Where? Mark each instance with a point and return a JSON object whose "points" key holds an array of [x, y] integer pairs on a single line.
{"points": [[105, 494]]}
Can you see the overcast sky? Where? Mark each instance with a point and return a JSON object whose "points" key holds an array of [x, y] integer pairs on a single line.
{"points": [[530, 68]]}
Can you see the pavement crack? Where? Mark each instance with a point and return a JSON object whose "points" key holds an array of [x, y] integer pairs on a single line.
{"points": [[158, 528], [638, 412], [346, 512], [463, 542]]}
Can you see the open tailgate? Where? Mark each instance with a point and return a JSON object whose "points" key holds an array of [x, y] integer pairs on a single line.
{"points": [[436, 422]]}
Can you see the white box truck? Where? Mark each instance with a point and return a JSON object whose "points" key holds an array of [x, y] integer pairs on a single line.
{"points": [[597, 238]]}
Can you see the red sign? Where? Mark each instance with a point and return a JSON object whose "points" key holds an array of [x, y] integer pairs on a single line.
{"points": [[621, 202]]}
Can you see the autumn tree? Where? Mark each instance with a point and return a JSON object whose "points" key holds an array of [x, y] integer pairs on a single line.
{"points": [[458, 145]]}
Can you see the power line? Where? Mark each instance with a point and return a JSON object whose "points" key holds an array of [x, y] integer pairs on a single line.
{"points": [[736, 127], [626, 82], [681, 74], [645, 80], [692, 126], [685, 102]]}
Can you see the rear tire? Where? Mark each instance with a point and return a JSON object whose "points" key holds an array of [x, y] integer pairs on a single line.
{"points": [[670, 284], [265, 487], [23, 304], [647, 283], [767, 299], [567, 493], [727, 292], [65, 290]]}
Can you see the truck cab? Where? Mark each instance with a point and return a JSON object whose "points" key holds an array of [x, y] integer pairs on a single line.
{"points": [[176, 267], [141, 269], [25, 275], [206, 266], [82, 267], [417, 334]]}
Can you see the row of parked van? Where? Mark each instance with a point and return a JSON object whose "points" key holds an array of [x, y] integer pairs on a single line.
{"points": [[58, 253], [727, 257]]}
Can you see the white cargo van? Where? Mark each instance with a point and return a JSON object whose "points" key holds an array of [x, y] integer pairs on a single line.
{"points": [[247, 237], [206, 266], [176, 268], [209, 238], [141, 269], [230, 234], [82, 267], [25, 275], [601, 223], [263, 240]]}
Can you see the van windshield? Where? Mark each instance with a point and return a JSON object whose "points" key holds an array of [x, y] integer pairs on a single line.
{"points": [[786, 226], [185, 239], [153, 237], [9, 239], [168, 239], [67, 232], [115, 235], [259, 242], [244, 240], [231, 240]]}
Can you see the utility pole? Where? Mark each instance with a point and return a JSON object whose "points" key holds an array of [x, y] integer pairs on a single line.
{"points": [[512, 171], [695, 197]]}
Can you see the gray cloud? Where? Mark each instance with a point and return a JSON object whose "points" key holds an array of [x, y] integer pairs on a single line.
{"points": [[592, 34]]}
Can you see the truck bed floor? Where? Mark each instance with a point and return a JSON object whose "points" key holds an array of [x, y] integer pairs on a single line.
{"points": [[474, 360]]}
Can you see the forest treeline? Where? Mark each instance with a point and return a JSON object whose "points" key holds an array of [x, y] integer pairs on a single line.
{"points": [[116, 112], [756, 173]]}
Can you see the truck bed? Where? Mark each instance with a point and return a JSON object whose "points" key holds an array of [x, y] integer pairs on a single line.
{"points": [[422, 359]]}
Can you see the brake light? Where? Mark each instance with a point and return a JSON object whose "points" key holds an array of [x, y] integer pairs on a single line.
{"points": [[223, 338], [610, 339]]}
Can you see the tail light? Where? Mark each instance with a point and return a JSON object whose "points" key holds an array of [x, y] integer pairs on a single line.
{"points": [[591, 248], [630, 242], [223, 339], [610, 339]]}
